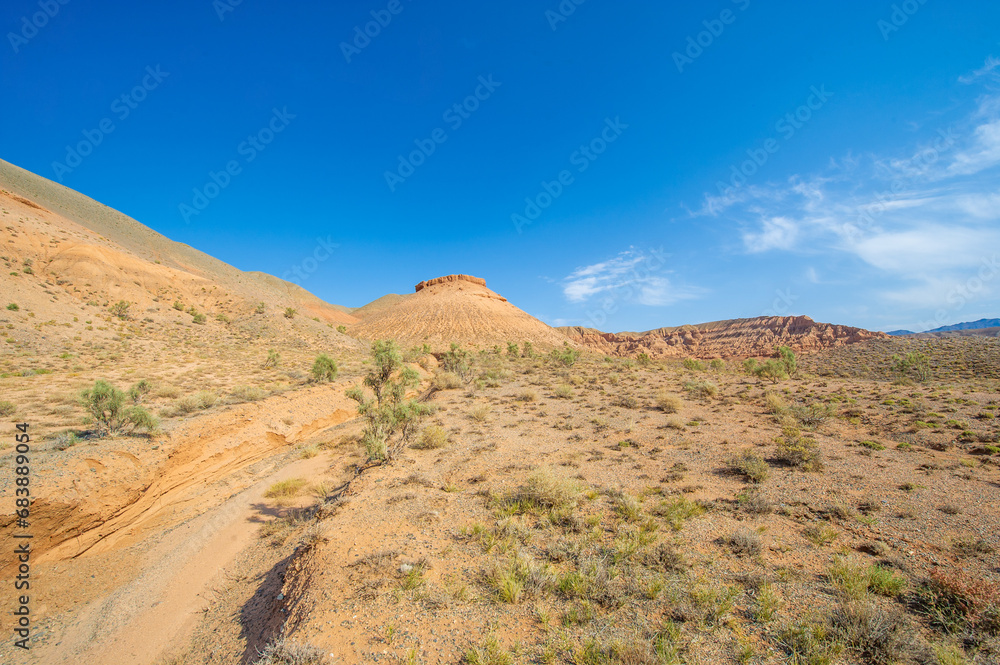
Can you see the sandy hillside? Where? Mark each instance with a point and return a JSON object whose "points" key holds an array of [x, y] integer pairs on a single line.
{"points": [[456, 308]]}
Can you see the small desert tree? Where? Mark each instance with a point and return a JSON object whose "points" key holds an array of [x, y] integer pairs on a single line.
{"points": [[913, 364], [290, 312], [120, 309], [390, 418], [324, 369], [787, 358], [106, 406], [771, 369]]}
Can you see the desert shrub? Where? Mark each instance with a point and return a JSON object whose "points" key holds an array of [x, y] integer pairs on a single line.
{"points": [[139, 391], [750, 465], [7, 409], [528, 350], [13, 307], [914, 366], [324, 368], [545, 489], [667, 402], [643, 359], [342, 329], [744, 543], [200, 401], [120, 309], [875, 635], [564, 391], [390, 419], [855, 579], [809, 643], [273, 358], [198, 319], [787, 359], [457, 361], [513, 351], [626, 402], [249, 393], [798, 451], [701, 389], [259, 309], [811, 415], [526, 396], [694, 365], [774, 403], [290, 313], [222, 318], [106, 406], [446, 381], [750, 366], [771, 370], [566, 355], [431, 438], [179, 306], [955, 601], [287, 652], [753, 502]]}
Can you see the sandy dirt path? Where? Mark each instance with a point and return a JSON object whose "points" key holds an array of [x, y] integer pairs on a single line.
{"points": [[186, 529]]}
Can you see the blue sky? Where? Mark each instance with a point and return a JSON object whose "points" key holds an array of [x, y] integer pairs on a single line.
{"points": [[622, 166]]}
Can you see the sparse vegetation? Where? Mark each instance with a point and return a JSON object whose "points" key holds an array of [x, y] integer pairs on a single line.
{"points": [[111, 417], [750, 465], [324, 369]]}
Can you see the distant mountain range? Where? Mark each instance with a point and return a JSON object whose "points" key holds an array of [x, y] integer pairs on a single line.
{"points": [[968, 325]]}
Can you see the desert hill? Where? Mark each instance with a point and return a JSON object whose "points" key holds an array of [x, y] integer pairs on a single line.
{"points": [[737, 338], [981, 324], [75, 238], [455, 308]]}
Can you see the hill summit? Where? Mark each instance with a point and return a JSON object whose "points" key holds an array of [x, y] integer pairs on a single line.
{"points": [[454, 308]]}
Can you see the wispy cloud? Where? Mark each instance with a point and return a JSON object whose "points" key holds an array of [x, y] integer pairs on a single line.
{"points": [[926, 219], [986, 70], [632, 276]]}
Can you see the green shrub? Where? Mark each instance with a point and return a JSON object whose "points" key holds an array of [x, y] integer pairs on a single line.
{"points": [[750, 366], [564, 391], [324, 369], [799, 451], [13, 307], [771, 370], [787, 358], [694, 365], [528, 351], [566, 355], [457, 361], [290, 313], [717, 364], [342, 329], [273, 358], [139, 391], [7, 409], [261, 307], [106, 406], [249, 393], [390, 418], [178, 305], [120, 309], [198, 319], [643, 359]]}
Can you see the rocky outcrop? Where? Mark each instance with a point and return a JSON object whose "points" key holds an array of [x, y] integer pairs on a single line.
{"points": [[450, 278], [739, 338]]}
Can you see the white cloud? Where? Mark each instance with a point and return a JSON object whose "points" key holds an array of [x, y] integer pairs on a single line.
{"points": [[631, 276], [990, 65], [775, 233]]}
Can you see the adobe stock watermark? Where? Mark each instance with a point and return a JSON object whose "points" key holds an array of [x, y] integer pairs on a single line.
{"points": [[248, 149], [782, 305], [122, 108], [786, 128], [964, 293], [714, 28], [562, 13], [30, 25], [455, 116], [581, 158], [223, 7], [309, 265], [900, 16], [363, 35], [869, 213], [627, 289]]}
